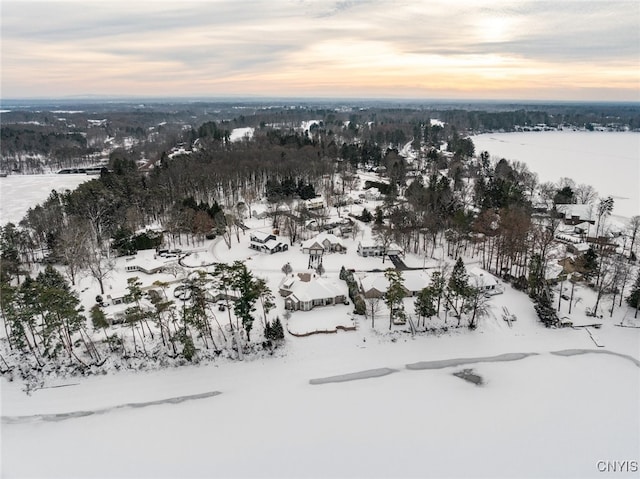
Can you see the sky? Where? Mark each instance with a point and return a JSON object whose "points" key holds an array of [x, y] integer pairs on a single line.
{"points": [[577, 50]]}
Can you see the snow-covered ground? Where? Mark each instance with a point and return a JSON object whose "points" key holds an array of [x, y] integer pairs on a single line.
{"points": [[238, 134], [608, 161], [18, 193], [545, 415]]}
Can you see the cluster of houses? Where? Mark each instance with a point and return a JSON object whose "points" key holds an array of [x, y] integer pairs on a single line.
{"points": [[375, 285], [580, 229], [306, 291]]}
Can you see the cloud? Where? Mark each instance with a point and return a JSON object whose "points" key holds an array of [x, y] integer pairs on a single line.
{"points": [[292, 47]]}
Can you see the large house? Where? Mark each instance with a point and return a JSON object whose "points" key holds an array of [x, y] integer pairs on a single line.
{"points": [[306, 292], [316, 203], [323, 243], [266, 242], [372, 248], [147, 266], [577, 214]]}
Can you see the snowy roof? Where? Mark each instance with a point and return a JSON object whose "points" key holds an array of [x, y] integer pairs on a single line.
{"points": [[272, 244], [260, 235], [585, 212], [581, 247], [479, 277], [415, 280], [147, 264], [318, 288], [312, 244], [374, 281], [553, 271], [584, 225], [320, 238]]}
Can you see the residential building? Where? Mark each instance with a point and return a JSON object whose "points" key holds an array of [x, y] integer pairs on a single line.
{"points": [[306, 292], [266, 242]]}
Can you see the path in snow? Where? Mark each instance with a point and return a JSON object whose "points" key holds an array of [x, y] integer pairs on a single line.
{"points": [[447, 363], [74, 414], [575, 352], [369, 373]]}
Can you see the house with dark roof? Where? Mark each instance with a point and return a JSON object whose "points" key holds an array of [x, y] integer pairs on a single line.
{"points": [[266, 242]]}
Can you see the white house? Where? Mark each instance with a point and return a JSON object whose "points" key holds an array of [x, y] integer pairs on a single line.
{"points": [[373, 248], [118, 296], [484, 281], [147, 266], [315, 203], [305, 293], [266, 242]]}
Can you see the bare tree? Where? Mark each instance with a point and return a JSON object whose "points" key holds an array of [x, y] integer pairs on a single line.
{"points": [[384, 236], [99, 264], [72, 247], [634, 226], [373, 308], [585, 194]]}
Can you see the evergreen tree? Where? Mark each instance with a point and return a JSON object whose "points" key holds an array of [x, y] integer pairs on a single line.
{"points": [[536, 276], [244, 305], [437, 286], [99, 319], [589, 262], [458, 285], [274, 331], [379, 216], [267, 300], [366, 216], [9, 255], [424, 303], [395, 293], [633, 299]]}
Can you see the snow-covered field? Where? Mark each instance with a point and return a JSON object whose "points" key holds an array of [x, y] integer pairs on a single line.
{"points": [[609, 161], [545, 415], [18, 193]]}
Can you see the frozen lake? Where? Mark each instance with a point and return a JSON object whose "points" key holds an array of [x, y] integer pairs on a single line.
{"points": [[18, 193], [609, 161]]}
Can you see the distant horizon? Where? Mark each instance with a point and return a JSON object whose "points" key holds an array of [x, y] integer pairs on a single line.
{"points": [[323, 99]]}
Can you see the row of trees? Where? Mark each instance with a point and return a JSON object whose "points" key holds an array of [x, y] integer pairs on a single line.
{"points": [[454, 291], [43, 318]]}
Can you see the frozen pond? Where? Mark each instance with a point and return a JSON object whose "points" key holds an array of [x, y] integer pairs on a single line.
{"points": [[609, 161], [18, 193]]}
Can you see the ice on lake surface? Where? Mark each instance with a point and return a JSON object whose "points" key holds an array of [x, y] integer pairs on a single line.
{"points": [[608, 161], [18, 193]]}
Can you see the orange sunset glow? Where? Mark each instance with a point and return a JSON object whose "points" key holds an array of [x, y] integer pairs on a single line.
{"points": [[563, 50]]}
